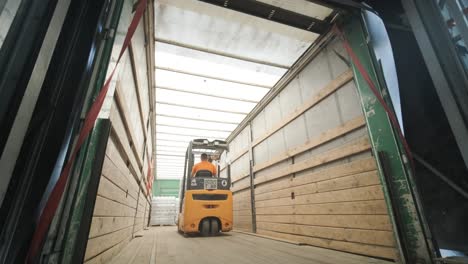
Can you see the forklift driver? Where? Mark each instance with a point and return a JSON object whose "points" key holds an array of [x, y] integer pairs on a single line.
{"points": [[204, 165]]}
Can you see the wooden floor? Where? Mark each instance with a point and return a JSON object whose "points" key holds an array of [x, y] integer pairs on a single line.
{"points": [[164, 245]]}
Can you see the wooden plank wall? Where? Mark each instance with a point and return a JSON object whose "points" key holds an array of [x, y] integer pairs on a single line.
{"points": [[123, 202], [315, 179]]}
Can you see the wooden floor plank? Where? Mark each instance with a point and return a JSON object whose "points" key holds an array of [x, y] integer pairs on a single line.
{"points": [[166, 246]]}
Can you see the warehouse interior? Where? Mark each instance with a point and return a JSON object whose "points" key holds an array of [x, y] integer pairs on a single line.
{"points": [[346, 123]]}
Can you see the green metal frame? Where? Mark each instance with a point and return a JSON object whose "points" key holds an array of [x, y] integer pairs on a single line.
{"points": [[91, 168], [87, 156], [394, 173], [163, 187]]}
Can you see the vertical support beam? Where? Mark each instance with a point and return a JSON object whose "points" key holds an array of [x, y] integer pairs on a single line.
{"points": [[398, 186], [252, 180], [228, 172]]}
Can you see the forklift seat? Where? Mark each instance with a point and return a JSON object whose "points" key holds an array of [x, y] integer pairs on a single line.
{"points": [[203, 173]]}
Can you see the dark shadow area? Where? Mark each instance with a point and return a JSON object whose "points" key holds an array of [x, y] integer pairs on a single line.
{"points": [[196, 235], [429, 136], [54, 121]]}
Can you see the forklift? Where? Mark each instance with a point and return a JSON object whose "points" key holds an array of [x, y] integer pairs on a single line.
{"points": [[205, 199]]}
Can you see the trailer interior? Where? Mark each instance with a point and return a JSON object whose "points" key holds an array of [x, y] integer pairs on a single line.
{"points": [[345, 122]]}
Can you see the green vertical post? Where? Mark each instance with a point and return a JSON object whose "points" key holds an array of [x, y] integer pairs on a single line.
{"points": [[92, 163], [393, 172]]}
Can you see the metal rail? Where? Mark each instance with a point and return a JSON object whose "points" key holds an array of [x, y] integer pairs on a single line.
{"points": [[198, 119], [219, 53], [202, 108], [212, 77], [206, 94]]}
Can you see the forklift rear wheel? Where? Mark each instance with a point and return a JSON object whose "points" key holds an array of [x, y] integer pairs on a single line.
{"points": [[205, 227], [214, 227]]}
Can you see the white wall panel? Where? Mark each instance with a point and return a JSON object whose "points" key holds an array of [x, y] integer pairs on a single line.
{"points": [[244, 164], [296, 133], [349, 102], [314, 76], [240, 167], [273, 113], [322, 117], [276, 144], [337, 65], [259, 125], [290, 97], [260, 153]]}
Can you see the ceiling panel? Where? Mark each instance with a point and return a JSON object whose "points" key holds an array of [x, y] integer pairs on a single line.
{"points": [[192, 132], [202, 101], [213, 65], [186, 112], [202, 63], [304, 7], [166, 147], [210, 86], [172, 143], [229, 32], [187, 139]]}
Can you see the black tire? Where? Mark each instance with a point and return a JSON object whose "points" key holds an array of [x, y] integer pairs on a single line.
{"points": [[214, 227], [205, 227]]}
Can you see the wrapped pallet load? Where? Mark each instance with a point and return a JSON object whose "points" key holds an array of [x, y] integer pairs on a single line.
{"points": [[164, 210]]}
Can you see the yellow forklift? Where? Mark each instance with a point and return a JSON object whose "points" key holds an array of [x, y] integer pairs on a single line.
{"points": [[205, 199]]}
